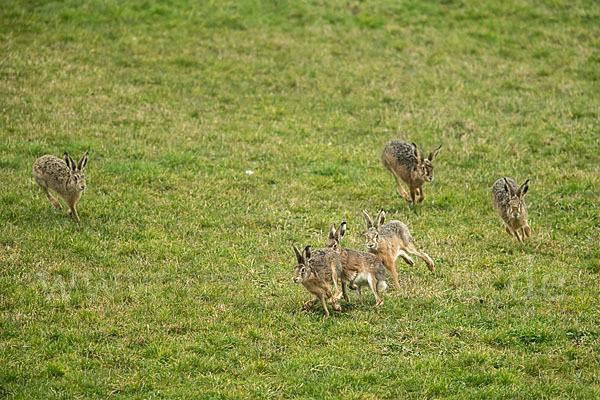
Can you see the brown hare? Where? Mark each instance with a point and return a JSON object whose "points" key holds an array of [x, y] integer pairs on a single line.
{"points": [[359, 268], [314, 271], [406, 163], [391, 240], [64, 177], [507, 199]]}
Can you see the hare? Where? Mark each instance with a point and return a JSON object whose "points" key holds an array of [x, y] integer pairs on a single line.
{"points": [[507, 199], [64, 177], [314, 271], [359, 268], [391, 240], [406, 162]]}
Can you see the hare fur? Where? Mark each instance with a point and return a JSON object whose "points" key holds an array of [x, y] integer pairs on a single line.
{"points": [[359, 268], [391, 240], [314, 271], [406, 163], [65, 177], [507, 199]]}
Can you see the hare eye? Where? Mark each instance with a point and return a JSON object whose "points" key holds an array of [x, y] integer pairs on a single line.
{"points": [[76, 178]]}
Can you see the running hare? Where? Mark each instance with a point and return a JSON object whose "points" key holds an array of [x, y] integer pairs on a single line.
{"points": [[391, 240], [406, 162], [314, 272], [507, 199], [64, 177], [359, 268]]}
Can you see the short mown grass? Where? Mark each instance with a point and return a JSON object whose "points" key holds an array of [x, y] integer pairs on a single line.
{"points": [[177, 282]]}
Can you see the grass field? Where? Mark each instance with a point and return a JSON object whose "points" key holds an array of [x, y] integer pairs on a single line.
{"points": [[177, 282]]}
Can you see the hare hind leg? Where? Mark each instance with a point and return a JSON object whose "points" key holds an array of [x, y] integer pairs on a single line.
{"points": [[345, 292], [333, 301], [406, 258], [527, 230], [338, 293], [311, 303], [413, 250], [400, 188], [51, 198]]}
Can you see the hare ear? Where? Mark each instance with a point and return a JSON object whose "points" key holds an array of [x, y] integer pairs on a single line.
{"points": [[82, 161], [367, 219], [306, 254], [418, 153], [508, 187], [380, 219], [298, 255], [434, 153], [332, 231], [523, 189], [341, 231], [69, 161]]}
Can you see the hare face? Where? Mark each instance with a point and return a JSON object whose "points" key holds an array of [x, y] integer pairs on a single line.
{"points": [[372, 239], [333, 245], [301, 273], [78, 181], [335, 236], [514, 207], [425, 171]]}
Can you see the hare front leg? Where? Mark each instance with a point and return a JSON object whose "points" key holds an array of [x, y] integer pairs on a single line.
{"points": [[413, 194], [373, 284], [390, 265], [324, 304], [73, 212], [518, 236], [420, 194]]}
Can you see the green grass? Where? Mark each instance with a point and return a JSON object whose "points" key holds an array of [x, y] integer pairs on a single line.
{"points": [[177, 282]]}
